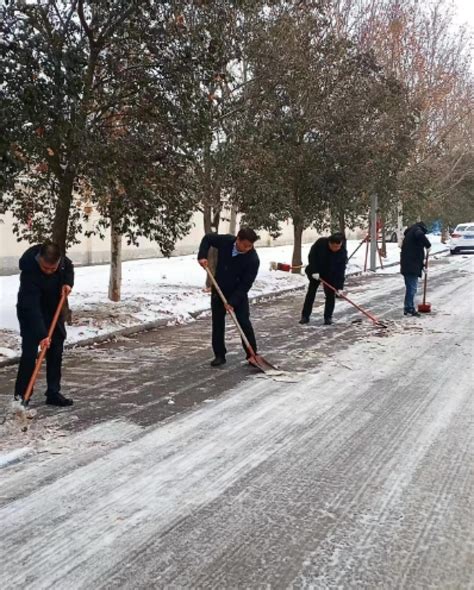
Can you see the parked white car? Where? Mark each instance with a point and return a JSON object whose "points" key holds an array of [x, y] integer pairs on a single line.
{"points": [[462, 238]]}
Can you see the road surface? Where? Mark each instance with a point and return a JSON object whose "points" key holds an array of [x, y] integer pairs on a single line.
{"points": [[351, 471]]}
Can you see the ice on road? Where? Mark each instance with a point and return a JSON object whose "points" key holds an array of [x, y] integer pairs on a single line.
{"points": [[357, 476]]}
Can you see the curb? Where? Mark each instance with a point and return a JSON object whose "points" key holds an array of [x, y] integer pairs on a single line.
{"points": [[137, 329], [100, 338]]}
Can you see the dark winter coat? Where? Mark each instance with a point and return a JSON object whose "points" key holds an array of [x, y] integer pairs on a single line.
{"points": [[39, 293], [412, 256], [331, 266], [234, 274]]}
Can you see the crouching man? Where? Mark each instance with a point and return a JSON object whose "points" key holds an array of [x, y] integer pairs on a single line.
{"points": [[45, 275], [327, 260], [237, 268]]}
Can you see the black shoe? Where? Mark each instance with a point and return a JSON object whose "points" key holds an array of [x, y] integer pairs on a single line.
{"points": [[19, 398], [304, 320], [413, 313], [218, 361], [57, 399], [327, 321]]}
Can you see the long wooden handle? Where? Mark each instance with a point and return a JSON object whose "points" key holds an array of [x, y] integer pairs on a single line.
{"points": [[366, 313], [42, 354], [357, 249], [232, 313], [425, 284]]}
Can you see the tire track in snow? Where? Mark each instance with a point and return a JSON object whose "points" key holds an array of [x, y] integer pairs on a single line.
{"points": [[218, 572], [51, 459], [163, 489], [47, 513]]}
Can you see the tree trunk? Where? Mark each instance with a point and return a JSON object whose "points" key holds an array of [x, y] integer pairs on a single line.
{"points": [[61, 214], [400, 222], [115, 281], [210, 226], [342, 222], [333, 219], [383, 250], [60, 227], [297, 261], [444, 234], [233, 220]]}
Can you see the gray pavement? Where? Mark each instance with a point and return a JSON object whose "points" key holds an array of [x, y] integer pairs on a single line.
{"points": [[168, 474]]}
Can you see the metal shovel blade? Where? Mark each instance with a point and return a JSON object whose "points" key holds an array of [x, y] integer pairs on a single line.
{"points": [[260, 363], [424, 307]]}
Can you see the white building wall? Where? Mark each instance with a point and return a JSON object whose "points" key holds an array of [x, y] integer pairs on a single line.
{"points": [[93, 250]]}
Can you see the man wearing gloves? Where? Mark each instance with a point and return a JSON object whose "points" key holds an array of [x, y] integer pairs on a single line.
{"points": [[45, 275], [327, 260], [237, 268]]}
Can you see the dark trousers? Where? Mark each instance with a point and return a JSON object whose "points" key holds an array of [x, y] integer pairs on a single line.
{"points": [[411, 287], [29, 353], [311, 295], [242, 313]]}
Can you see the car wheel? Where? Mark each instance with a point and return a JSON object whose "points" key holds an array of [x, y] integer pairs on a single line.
{"points": [[453, 252], [394, 237]]}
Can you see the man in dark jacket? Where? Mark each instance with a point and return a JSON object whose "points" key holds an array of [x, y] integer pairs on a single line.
{"points": [[412, 261], [237, 268], [45, 275], [327, 260]]}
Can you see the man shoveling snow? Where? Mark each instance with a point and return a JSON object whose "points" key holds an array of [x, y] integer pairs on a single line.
{"points": [[237, 268], [45, 277]]}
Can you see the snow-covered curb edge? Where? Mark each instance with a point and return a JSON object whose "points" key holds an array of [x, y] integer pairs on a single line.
{"points": [[147, 326]]}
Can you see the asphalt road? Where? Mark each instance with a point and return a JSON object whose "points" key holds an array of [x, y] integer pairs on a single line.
{"points": [[352, 470]]}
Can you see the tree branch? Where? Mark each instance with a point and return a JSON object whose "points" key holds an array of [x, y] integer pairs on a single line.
{"points": [[110, 28], [85, 26]]}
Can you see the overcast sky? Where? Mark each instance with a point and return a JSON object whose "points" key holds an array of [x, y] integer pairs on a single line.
{"points": [[465, 10]]}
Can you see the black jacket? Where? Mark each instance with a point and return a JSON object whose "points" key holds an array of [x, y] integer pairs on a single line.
{"points": [[331, 266], [39, 293], [412, 256], [234, 274]]}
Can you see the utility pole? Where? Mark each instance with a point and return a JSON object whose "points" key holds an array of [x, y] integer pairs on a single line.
{"points": [[373, 233]]}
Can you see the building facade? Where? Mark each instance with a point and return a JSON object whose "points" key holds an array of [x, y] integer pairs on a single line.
{"points": [[94, 250]]}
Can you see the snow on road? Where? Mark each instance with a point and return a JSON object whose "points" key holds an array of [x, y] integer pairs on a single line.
{"points": [[358, 476], [155, 289]]}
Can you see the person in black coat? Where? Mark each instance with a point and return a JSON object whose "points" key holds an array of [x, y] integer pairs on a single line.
{"points": [[237, 268], [45, 275], [327, 259], [412, 260]]}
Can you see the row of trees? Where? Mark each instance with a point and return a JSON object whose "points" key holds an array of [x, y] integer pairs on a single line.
{"points": [[150, 111]]}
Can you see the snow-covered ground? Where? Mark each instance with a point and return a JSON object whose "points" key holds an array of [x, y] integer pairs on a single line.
{"points": [[157, 289], [357, 476]]}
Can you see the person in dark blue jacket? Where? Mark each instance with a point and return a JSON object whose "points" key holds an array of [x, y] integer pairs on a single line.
{"points": [[327, 260], [237, 268], [45, 275], [412, 260]]}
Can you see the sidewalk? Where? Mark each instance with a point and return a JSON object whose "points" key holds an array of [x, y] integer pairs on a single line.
{"points": [[156, 292]]}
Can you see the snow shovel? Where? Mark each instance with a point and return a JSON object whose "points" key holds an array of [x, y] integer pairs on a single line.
{"points": [[366, 313], [254, 359], [425, 307]]}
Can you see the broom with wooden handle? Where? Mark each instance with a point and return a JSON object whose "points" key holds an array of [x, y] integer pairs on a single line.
{"points": [[425, 307]]}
